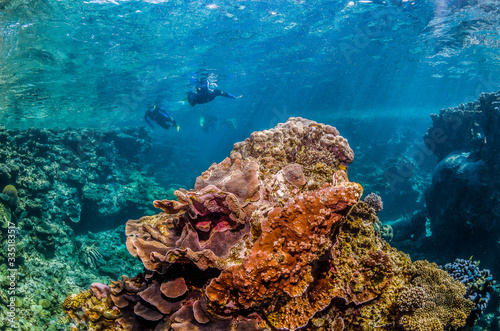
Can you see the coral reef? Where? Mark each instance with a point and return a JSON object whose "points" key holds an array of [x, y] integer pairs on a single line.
{"points": [[271, 238], [64, 182], [479, 284], [75, 176], [436, 301], [463, 201], [41, 284]]}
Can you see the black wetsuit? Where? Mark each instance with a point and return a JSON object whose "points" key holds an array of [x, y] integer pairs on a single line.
{"points": [[161, 117], [203, 94]]}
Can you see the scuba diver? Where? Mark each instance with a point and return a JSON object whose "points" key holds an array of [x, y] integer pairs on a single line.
{"points": [[205, 91], [161, 117]]}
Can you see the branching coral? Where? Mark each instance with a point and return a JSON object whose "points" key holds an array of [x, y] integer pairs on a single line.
{"points": [[479, 283], [411, 299]]}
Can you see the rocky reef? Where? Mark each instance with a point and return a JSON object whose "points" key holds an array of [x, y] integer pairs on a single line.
{"points": [[273, 237], [463, 202]]}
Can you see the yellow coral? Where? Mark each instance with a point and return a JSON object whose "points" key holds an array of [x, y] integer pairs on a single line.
{"points": [[75, 301], [97, 314], [443, 303], [411, 299]]}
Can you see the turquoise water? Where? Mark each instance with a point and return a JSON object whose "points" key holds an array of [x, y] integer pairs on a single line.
{"points": [[102, 62], [376, 70]]}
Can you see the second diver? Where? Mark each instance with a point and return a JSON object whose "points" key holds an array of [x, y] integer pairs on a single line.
{"points": [[161, 117]]}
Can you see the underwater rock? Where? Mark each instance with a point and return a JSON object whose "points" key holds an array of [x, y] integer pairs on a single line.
{"points": [[468, 126], [463, 201], [259, 246]]}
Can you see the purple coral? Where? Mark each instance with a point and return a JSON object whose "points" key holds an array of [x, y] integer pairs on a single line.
{"points": [[374, 201]]}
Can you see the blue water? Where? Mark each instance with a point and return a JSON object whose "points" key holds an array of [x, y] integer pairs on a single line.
{"points": [[102, 63], [374, 69]]}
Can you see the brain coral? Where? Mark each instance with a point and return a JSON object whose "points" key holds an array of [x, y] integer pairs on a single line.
{"points": [[273, 237]]}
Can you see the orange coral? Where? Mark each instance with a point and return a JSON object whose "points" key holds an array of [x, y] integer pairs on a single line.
{"points": [[273, 237], [279, 266]]}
